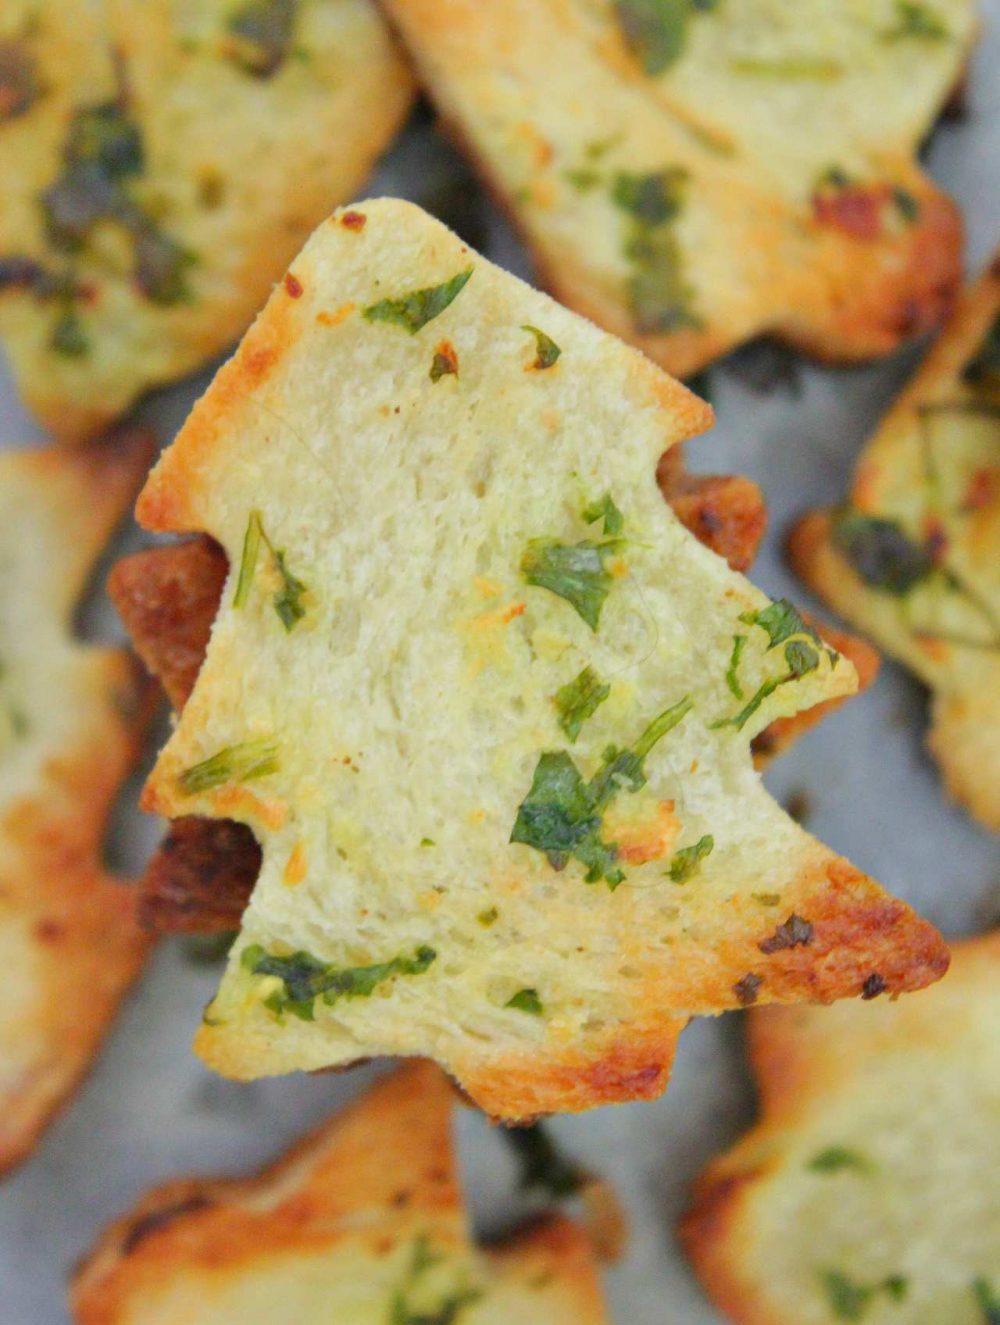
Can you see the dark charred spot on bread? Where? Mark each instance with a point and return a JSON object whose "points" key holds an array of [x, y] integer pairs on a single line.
{"points": [[747, 988], [873, 986], [792, 933]]}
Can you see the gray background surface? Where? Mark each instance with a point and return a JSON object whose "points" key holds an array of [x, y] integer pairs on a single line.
{"points": [[150, 1111]]}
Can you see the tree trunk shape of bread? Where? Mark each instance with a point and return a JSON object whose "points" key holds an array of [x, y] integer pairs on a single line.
{"points": [[484, 701], [162, 165], [691, 174], [362, 1223], [913, 556], [71, 722]]}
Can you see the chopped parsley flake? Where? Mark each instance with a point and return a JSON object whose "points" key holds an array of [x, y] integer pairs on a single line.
{"points": [[579, 700], [543, 1166], [659, 298], [526, 1000], [732, 680], [687, 861], [445, 362], [780, 620], [651, 199], [287, 601], [850, 1300], [835, 1159], [917, 21], [606, 510], [413, 311], [574, 571], [783, 625], [655, 31], [260, 33], [562, 815], [234, 763], [987, 1300], [881, 553], [801, 659], [546, 350], [103, 154], [488, 917], [447, 1310], [305, 978]]}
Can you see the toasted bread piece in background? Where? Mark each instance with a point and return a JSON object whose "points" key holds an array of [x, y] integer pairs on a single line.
{"points": [[362, 1223], [424, 564], [71, 720], [913, 557], [169, 162], [691, 175], [869, 1189]]}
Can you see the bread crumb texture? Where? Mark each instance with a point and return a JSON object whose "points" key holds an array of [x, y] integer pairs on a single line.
{"points": [[163, 161], [693, 173], [467, 660], [71, 719], [362, 1224], [868, 1189], [913, 555]]}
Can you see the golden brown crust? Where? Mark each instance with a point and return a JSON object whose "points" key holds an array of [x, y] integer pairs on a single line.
{"points": [[726, 512], [200, 877], [960, 534], [68, 930], [378, 1176]]}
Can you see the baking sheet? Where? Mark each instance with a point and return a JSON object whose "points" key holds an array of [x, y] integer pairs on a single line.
{"points": [[150, 1111]]}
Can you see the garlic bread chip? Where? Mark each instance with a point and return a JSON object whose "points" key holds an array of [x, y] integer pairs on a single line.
{"points": [[913, 557], [163, 161], [868, 1191], [483, 699], [362, 1224], [691, 173], [71, 719]]}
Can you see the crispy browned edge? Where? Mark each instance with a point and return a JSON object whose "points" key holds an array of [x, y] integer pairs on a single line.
{"points": [[784, 1070], [63, 834], [913, 297], [389, 1154], [201, 877]]}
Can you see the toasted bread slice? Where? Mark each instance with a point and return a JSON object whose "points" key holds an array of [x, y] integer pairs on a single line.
{"points": [[71, 719], [452, 593], [913, 558], [362, 1224], [868, 1190], [691, 174], [169, 161]]}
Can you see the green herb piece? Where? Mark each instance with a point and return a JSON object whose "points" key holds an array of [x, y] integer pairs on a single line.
{"points": [[234, 763], [659, 297], [427, 842], [287, 601], [68, 337], [260, 33], [988, 1301], [983, 371], [574, 571], [906, 204], [879, 551], [732, 680], [546, 350], [103, 153], [687, 862], [19, 85], [606, 510], [652, 199], [526, 1000], [447, 1311], [305, 978], [835, 1159], [655, 31], [415, 310], [444, 363], [780, 620], [543, 1166], [850, 1300], [583, 179], [917, 21], [488, 917], [801, 658], [802, 66], [562, 815], [579, 700]]}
